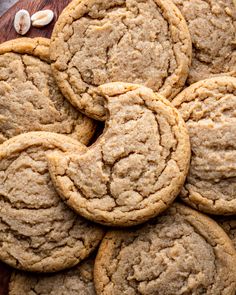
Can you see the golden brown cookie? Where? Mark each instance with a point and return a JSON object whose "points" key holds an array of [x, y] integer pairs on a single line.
{"points": [[229, 226], [78, 280], [38, 232], [212, 25], [29, 97], [96, 42], [135, 169], [180, 252], [208, 108]]}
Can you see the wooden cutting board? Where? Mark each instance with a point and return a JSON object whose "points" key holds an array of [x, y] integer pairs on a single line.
{"points": [[7, 32]]}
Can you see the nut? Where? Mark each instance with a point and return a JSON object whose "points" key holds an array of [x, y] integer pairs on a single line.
{"points": [[22, 22], [42, 18]]}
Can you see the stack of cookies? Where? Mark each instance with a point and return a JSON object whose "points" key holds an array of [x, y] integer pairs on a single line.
{"points": [[82, 214]]}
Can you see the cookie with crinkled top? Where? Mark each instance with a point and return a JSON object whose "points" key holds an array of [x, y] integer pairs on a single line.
{"points": [[136, 168], [229, 225], [38, 232], [208, 108], [180, 252], [78, 280], [212, 26], [30, 99], [96, 42]]}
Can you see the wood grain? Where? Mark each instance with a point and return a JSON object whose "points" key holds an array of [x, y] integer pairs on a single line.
{"points": [[6, 21], [7, 32]]}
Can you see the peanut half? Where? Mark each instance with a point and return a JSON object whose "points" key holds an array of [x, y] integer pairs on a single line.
{"points": [[42, 18], [22, 22]]}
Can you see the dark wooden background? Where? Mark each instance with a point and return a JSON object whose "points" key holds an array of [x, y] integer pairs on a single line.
{"points": [[7, 32]]}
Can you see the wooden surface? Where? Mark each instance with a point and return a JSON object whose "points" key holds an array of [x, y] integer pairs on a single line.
{"points": [[7, 32]]}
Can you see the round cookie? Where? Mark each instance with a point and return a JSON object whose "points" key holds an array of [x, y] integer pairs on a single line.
{"points": [[208, 108], [212, 26], [78, 280], [229, 226], [95, 42], [30, 99], [135, 169], [38, 232], [180, 252]]}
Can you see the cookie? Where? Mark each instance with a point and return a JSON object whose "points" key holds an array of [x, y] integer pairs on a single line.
{"points": [[30, 99], [38, 232], [208, 108], [96, 42], [180, 252], [135, 169], [229, 226], [212, 26], [78, 280]]}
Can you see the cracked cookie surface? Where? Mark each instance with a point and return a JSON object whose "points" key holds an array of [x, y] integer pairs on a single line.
{"points": [[165, 257], [212, 26], [38, 232], [208, 108], [96, 42], [135, 169], [30, 99], [229, 226], [78, 280]]}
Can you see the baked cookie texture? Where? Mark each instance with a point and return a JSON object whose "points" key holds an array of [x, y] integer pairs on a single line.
{"points": [[38, 232], [212, 26], [180, 252], [229, 226], [208, 108], [96, 42], [78, 280], [30, 99], [135, 169]]}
